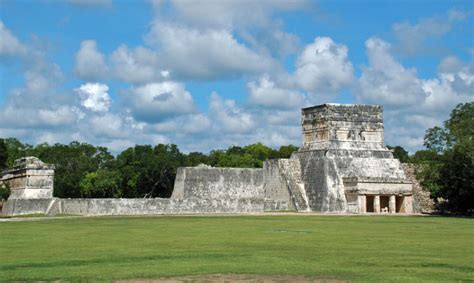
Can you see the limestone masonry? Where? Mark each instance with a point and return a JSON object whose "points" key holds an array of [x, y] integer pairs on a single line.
{"points": [[343, 166]]}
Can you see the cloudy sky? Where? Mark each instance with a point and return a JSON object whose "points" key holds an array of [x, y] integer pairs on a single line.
{"points": [[209, 74]]}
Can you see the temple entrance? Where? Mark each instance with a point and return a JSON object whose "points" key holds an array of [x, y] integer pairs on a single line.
{"points": [[399, 207], [369, 203], [384, 203]]}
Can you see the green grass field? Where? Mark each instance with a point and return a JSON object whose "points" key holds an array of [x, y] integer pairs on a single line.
{"points": [[357, 248]]}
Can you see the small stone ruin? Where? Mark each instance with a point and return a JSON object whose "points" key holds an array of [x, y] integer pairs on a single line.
{"points": [[29, 178]]}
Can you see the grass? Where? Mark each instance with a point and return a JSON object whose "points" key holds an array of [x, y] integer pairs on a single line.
{"points": [[358, 248]]}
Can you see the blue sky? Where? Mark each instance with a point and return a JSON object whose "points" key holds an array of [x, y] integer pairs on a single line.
{"points": [[209, 74]]}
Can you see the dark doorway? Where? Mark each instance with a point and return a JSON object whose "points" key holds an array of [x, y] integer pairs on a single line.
{"points": [[384, 203], [400, 208], [369, 205]]}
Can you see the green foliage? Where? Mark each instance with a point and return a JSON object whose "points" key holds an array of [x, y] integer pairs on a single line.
{"points": [[399, 152], [15, 150], [437, 139], [72, 163], [3, 154], [149, 172], [101, 184], [285, 151], [456, 181], [196, 158], [423, 156], [448, 164], [4, 192]]}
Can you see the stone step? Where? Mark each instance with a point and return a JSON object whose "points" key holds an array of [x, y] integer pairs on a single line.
{"points": [[292, 174]]}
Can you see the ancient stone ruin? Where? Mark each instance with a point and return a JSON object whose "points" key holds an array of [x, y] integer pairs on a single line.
{"points": [[342, 167]]}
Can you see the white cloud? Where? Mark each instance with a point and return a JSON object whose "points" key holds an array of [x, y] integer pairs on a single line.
{"points": [[108, 125], [39, 104], [94, 96], [38, 118], [185, 125], [90, 62], [232, 14], [385, 81], [205, 54], [228, 117], [412, 104], [266, 93], [155, 102], [9, 44], [139, 65], [323, 68], [412, 38]]}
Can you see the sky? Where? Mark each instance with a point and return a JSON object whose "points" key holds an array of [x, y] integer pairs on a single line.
{"points": [[210, 74]]}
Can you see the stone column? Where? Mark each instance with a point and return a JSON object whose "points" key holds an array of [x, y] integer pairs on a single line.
{"points": [[362, 204], [376, 204], [391, 204]]}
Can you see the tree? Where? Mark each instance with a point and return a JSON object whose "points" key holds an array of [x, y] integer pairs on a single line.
{"points": [[437, 139], [196, 158], [451, 173], [399, 152], [16, 150], [102, 183], [3, 155], [149, 172], [456, 180], [286, 151]]}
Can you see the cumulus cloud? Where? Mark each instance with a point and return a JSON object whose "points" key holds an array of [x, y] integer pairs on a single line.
{"points": [[9, 44], [108, 125], [94, 96], [90, 62], [184, 125], [385, 81], [412, 37], [323, 68], [228, 116], [232, 14], [266, 93], [138, 65], [156, 102], [412, 104], [205, 54]]}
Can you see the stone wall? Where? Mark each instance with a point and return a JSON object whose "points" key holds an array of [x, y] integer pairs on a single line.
{"points": [[205, 182], [14, 207], [422, 202], [150, 206], [201, 189], [279, 182]]}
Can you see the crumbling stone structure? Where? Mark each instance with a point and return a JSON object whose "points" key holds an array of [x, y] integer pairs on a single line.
{"points": [[343, 167], [31, 186], [30, 178]]}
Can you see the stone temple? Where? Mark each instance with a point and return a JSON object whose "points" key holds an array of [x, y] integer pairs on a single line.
{"points": [[343, 166]]}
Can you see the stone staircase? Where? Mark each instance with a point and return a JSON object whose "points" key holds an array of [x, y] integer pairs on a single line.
{"points": [[291, 170]]}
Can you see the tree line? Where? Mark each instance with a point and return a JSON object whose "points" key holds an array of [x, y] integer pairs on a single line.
{"points": [[445, 168], [87, 171]]}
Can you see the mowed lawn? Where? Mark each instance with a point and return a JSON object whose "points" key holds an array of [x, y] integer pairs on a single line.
{"points": [[357, 248]]}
